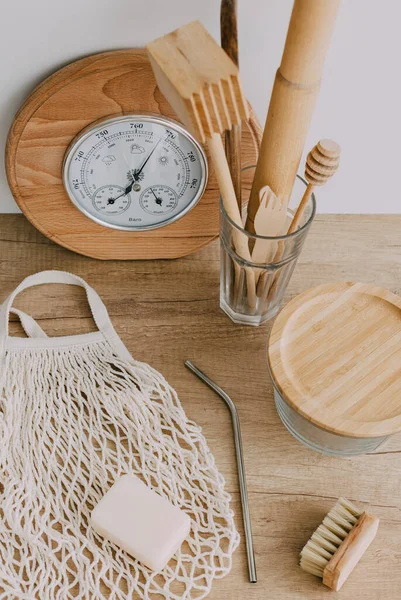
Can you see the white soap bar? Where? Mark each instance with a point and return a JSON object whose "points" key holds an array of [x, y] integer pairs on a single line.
{"points": [[141, 522]]}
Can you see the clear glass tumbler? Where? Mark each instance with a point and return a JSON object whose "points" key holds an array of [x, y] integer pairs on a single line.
{"points": [[251, 292]]}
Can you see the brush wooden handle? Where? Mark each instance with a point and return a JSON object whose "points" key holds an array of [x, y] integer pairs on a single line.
{"points": [[350, 552], [229, 43], [293, 99]]}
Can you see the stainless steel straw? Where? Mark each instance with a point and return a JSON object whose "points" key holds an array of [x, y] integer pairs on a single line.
{"points": [[240, 465]]}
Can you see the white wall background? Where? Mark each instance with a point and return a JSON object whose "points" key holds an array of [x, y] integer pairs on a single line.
{"points": [[359, 104]]}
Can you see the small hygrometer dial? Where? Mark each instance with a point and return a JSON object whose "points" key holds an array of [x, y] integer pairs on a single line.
{"points": [[135, 172], [158, 199]]}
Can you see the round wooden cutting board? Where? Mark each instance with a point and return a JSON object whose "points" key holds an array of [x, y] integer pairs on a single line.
{"points": [[99, 87], [335, 355]]}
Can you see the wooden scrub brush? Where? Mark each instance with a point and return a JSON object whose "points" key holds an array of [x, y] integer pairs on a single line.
{"points": [[339, 543]]}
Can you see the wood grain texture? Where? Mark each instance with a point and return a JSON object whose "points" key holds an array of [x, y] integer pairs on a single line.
{"points": [[350, 551], [229, 29], [166, 312], [97, 87], [202, 85], [199, 80], [233, 154], [293, 98], [335, 354], [229, 43], [270, 221]]}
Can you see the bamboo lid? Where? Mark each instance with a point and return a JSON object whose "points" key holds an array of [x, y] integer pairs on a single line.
{"points": [[335, 356]]}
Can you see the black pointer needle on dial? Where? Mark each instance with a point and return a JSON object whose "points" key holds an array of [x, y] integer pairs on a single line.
{"points": [[125, 192], [158, 200], [137, 173]]}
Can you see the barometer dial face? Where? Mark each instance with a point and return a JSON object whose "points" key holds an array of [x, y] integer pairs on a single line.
{"points": [[135, 172]]}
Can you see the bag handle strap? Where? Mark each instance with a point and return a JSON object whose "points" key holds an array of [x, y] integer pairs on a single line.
{"points": [[99, 311], [31, 327]]}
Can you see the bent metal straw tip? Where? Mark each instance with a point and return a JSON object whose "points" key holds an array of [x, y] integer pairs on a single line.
{"points": [[240, 464]]}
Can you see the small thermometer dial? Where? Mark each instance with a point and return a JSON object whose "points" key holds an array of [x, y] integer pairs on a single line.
{"points": [[159, 199], [135, 172]]}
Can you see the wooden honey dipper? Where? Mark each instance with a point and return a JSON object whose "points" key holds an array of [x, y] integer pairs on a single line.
{"points": [[321, 164]]}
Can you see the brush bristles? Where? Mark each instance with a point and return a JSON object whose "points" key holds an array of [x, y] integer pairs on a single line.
{"points": [[329, 536]]}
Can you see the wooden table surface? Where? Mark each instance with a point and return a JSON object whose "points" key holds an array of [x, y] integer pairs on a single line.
{"points": [[167, 312]]}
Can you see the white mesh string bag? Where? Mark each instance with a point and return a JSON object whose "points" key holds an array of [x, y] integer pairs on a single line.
{"points": [[76, 413]]}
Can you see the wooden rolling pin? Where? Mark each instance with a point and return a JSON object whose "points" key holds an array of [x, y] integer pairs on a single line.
{"points": [[229, 43], [293, 99]]}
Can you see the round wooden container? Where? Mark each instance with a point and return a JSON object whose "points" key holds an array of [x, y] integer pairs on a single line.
{"points": [[334, 355]]}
